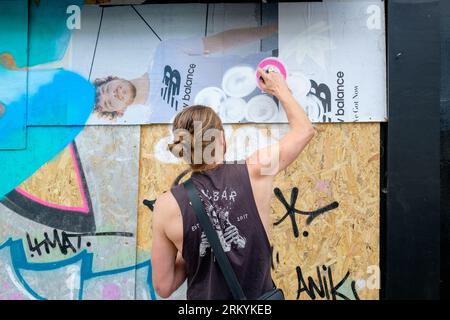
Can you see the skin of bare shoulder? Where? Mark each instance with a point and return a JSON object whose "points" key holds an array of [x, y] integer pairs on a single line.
{"points": [[261, 188], [168, 214]]}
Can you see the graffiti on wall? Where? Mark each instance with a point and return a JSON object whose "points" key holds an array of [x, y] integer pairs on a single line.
{"points": [[70, 191], [75, 219], [291, 210], [58, 227], [88, 250], [313, 216]]}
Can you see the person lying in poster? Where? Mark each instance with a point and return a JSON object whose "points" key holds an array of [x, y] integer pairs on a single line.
{"points": [[200, 70]]}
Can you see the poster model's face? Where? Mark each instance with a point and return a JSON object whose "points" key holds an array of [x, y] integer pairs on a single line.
{"points": [[114, 97]]}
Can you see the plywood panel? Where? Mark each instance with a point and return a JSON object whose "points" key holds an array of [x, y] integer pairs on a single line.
{"points": [[13, 84], [340, 167], [82, 254], [56, 182]]}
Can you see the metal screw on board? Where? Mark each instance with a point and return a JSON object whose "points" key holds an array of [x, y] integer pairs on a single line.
{"points": [[398, 55]]}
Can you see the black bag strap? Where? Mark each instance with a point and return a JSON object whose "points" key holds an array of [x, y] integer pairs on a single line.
{"points": [[224, 263]]}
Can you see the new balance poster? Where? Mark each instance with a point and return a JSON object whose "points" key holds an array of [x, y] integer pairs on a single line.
{"points": [[149, 61]]}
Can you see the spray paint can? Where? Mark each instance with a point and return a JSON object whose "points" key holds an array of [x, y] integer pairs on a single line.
{"points": [[271, 64]]}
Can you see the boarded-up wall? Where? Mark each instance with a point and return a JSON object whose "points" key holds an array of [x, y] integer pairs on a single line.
{"points": [[82, 217], [339, 167], [335, 241]]}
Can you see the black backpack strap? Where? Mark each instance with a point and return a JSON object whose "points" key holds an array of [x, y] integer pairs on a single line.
{"points": [[224, 263]]}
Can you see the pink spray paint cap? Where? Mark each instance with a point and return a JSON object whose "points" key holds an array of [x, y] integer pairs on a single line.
{"points": [[271, 63]]}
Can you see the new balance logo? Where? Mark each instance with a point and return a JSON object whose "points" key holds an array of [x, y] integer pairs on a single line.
{"points": [[322, 92], [172, 83]]}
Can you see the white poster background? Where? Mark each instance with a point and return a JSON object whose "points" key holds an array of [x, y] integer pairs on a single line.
{"points": [[334, 53]]}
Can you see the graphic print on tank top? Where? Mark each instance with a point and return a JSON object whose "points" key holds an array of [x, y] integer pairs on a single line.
{"points": [[218, 206]]}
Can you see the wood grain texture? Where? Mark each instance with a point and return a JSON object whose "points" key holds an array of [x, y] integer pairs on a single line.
{"points": [[340, 165], [56, 182]]}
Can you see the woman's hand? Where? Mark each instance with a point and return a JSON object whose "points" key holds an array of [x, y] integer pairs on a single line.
{"points": [[273, 83]]}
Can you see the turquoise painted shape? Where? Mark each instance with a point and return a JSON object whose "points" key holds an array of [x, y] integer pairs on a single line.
{"points": [[49, 34], [56, 97], [13, 86], [13, 41], [48, 40], [14, 29], [63, 98]]}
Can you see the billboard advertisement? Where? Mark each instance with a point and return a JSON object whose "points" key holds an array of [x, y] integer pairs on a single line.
{"points": [[147, 62]]}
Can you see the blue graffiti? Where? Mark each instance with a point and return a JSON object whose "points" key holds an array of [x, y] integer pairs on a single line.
{"points": [[59, 104], [14, 16], [13, 119], [42, 111], [20, 262], [31, 98]]}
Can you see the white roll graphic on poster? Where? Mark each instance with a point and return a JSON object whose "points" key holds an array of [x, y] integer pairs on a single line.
{"points": [[299, 84], [312, 106], [239, 81], [261, 108], [211, 96], [233, 109]]}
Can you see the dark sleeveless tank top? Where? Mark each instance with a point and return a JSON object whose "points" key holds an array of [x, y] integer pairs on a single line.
{"points": [[228, 198]]}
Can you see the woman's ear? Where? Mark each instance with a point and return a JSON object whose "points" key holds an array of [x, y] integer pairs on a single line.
{"points": [[224, 142]]}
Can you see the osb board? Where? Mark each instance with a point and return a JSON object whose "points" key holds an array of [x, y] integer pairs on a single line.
{"points": [[341, 164], [47, 185], [109, 159]]}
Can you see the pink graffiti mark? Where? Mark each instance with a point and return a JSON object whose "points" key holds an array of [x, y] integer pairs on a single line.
{"points": [[84, 209], [323, 186], [15, 296], [5, 286], [111, 291]]}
